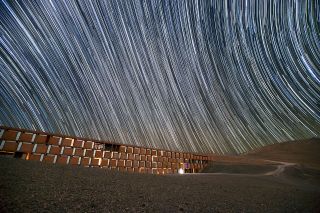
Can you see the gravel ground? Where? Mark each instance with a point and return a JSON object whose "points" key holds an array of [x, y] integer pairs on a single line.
{"points": [[239, 169], [27, 186]]}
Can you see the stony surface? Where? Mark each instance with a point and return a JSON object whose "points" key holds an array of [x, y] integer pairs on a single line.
{"points": [[27, 186], [228, 168]]}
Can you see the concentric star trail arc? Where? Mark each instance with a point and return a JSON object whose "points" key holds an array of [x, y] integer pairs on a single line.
{"points": [[197, 76]]}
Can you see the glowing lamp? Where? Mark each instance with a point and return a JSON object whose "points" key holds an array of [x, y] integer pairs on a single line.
{"points": [[181, 171]]}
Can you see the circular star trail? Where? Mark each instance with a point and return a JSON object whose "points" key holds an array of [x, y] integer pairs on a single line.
{"points": [[201, 76]]}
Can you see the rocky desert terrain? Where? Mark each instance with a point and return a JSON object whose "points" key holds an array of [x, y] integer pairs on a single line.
{"points": [[278, 178]]}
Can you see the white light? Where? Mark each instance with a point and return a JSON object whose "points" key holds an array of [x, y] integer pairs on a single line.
{"points": [[181, 171]]}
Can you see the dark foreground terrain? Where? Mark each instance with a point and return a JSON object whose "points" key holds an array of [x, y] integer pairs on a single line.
{"points": [[243, 184]]}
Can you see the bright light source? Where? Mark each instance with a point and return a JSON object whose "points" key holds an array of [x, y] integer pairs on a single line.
{"points": [[181, 171]]}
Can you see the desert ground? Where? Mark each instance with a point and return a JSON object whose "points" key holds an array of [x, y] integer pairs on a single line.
{"points": [[277, 178]]}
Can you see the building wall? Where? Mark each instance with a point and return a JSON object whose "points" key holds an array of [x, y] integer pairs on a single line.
{"points": [[54, 148]]}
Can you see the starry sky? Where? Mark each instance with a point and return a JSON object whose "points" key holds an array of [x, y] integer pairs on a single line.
{"points": [[202, 76]]}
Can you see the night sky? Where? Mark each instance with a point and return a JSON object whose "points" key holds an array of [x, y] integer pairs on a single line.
{"points": [[201, 76]]}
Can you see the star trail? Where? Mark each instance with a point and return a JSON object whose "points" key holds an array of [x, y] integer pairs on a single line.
{"points": [[201, 76]]}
